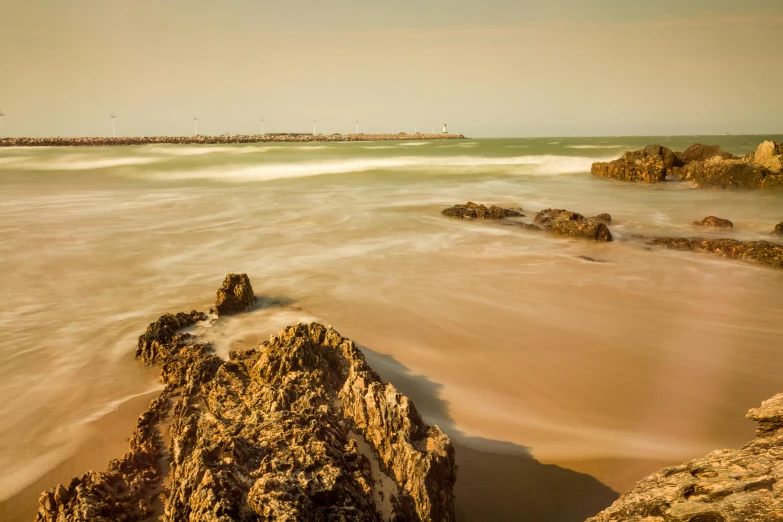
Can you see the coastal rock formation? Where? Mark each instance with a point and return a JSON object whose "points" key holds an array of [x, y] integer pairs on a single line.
{"points": [[778, 229], [236, 295], [604, 218], [473, 210], [761, 252], [300, 428], [704, 165], [649, 165], [744, 485], [224, 138], [714, 222], [567, 223]]}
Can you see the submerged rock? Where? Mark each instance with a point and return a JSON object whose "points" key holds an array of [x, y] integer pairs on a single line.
{"points": [[744, 485], [649, 165], [567, 223], [275, 433], [761, 252], [473, 210], [714, 222], [236, 295], [530, 226]]}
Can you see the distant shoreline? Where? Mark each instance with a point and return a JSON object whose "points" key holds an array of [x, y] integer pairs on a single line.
{"points": [[211, 140]]}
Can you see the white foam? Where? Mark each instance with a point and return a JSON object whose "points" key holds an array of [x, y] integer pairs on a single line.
{"points": [[76, 164], [535, 165]]}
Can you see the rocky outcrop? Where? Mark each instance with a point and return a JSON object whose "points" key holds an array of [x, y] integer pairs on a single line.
{"points": [[761, 252], [224, 138], [744, 485], [477, 211], [567, 223], [704, 165], [649, 165], [604, 218], [300, 428], [236, 295], [778, 229], [714, 222]]}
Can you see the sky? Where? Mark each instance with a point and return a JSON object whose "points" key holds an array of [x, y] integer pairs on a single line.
{"points": [[490, 68]]}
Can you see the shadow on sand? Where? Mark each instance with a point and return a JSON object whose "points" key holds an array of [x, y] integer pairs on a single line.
{"points": [[501, 480]]}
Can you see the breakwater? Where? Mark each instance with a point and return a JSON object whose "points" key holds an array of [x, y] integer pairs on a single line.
{"points": [[225, 138]]}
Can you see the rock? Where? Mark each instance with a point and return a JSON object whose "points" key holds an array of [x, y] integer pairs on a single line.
{"points": [[778, 229], [472, 210], [567, 223], [761, 169], [606, 219], [528, 226], [236, 295], [699, 152], [590, 259], [744, 485], [770, 156], [649, 165], [271, 434], [714, 222], [761, 252]]}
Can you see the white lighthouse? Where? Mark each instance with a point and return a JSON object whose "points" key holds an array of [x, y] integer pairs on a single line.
{"points": [[444, 129]]}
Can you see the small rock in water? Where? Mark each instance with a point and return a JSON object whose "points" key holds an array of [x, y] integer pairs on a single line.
{"points": [[778, 229], [473, 210], [236, 295], [567, 223], [590, 259], [714, 222], [529, 226]]}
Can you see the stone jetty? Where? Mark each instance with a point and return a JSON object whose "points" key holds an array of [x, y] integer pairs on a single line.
{"points": [[222, 139]]}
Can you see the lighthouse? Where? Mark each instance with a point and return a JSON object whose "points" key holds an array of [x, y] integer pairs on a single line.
{"points": [[444, 129]]}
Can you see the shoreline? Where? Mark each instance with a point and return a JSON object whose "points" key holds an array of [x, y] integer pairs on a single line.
{"points": [[222, 139]]}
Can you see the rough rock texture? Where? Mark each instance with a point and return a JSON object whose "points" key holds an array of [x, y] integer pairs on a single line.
{"points": [[236, 295], [269, 435], [567, 223], [473, 210], [714, 222], [744, 485], [760, 169], [699, 152], [762, 252], [604, 218], [649, 165], [778, 229]]}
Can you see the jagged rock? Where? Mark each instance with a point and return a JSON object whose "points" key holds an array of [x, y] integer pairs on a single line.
{"points": [[567, 223], [236, 295], [714, 222], [761, 169], [473, 210], [649, 165], [604, 218], [778, 229], [762, 252], [699, 152], [744, 485], [275, 433]]}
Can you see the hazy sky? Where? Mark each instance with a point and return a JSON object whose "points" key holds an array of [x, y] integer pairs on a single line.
{"points": [[487, 68]]}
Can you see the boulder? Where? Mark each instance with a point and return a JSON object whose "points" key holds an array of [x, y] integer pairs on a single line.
{"points": [[742, 485], [476, 211], [649, 165], [759, 169], [567, 223], [699, 152], [761, 252], [606, 219], [770, 156], [300, 428], [236, 295], [778, 229], [714, 222]]}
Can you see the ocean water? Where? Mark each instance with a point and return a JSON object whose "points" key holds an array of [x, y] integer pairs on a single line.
{"points": [[509, 338]]}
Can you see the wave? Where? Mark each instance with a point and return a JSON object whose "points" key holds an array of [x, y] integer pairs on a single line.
{"points": [[82, 164], [530, 165]]}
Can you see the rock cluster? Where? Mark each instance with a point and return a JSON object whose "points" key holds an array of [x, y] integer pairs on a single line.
{"points": [[744, 485], [477, 211], [714, 222], [225, 138], [761, 252], [300, 428], [567, 223], [704, 165]]}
